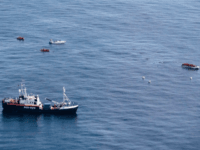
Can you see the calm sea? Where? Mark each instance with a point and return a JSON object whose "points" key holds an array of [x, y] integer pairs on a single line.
{"points": [[109, 46]]}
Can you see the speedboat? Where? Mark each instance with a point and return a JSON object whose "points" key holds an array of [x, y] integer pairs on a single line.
{"points": [[56, 42], [44, 50], [190, 66], [20, 38]]}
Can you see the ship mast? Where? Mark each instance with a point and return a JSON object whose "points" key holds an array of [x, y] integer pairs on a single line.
{"points": [[22, 91], [65, 98]]}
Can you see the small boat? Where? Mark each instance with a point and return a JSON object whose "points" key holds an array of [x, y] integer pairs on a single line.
{"points": [[190, 66], [31, 104], [64, 107], [20, 38], [44, 50], [56, 42]]}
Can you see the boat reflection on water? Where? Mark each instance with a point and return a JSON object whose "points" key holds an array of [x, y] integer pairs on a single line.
{"points": [[8, 114], [29, 125], [20, 117], [37, 118], [32, 125]]}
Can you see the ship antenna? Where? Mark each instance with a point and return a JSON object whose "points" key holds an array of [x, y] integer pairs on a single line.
{"points": [[25, 92], [19, 91]]}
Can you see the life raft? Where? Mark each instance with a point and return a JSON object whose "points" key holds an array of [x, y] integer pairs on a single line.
{"points": [[20, 38], [44, 50]]}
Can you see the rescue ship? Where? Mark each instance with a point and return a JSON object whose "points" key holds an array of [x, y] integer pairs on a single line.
{"points": [[31, 104]]}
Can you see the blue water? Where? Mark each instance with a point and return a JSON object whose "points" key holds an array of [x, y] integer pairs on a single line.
{"points": [[109, 46]]}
